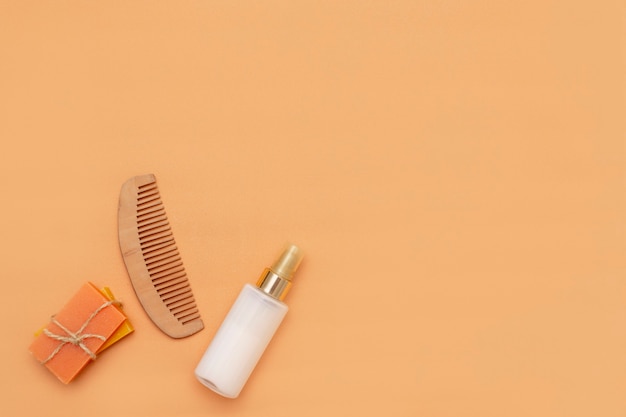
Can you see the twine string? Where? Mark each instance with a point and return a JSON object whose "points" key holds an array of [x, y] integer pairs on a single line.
{"points": [[76, 338]]}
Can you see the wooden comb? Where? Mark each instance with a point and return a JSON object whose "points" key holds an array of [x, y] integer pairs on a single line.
{"points": [[152, 259]]}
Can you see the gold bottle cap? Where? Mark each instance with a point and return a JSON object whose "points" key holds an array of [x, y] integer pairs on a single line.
{"points": [[276, 280], [288, 262]]}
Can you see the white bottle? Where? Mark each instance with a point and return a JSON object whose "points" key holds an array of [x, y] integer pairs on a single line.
{"points": [[248, 328]]}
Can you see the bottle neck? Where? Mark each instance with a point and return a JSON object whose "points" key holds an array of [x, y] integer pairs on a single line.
{"points": [[273, 285]]}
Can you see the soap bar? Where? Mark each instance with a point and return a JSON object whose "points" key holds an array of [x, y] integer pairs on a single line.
{"points": [[88, 309], [124, 330]]}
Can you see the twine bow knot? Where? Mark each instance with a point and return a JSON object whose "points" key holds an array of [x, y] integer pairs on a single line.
{"points": [[76, 338]]}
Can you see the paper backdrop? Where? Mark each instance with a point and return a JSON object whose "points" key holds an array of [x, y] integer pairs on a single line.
{"points": [[454, 171]]}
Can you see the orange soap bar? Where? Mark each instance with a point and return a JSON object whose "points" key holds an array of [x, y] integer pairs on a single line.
{"points": [[68, 361]]}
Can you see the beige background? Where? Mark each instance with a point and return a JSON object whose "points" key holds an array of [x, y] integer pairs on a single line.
{"points": [[455, 171]]}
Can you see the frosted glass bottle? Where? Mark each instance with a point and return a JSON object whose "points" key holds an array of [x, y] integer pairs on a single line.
{"points": [[248, 328]]}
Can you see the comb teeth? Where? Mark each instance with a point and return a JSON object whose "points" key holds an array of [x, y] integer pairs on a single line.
{"points": [[153, 260], [165, 266]]}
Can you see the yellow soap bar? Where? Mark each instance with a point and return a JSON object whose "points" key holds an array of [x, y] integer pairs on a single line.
{"points": [[125, 328]]}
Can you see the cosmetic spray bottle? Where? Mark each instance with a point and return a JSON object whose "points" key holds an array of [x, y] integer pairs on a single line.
{"points": [[248, 328]]}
